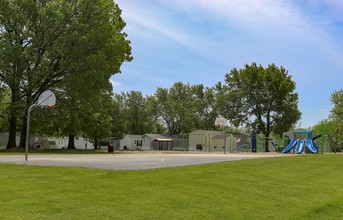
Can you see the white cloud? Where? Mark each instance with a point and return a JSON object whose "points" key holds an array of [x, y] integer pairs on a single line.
{"points": [[255, 14], [151, 23], [277, 20], [114, 83]]}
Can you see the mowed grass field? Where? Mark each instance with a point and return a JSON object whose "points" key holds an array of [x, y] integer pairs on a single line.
{"points": [[300, 187]]}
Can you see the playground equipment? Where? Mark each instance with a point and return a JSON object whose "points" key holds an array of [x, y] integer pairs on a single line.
{"points": [[299, 142]]}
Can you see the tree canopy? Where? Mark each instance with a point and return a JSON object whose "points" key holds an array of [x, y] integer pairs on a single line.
{"points": [[45, 44], [184, 107], [337, 114], [134, 114], [260, 98]]}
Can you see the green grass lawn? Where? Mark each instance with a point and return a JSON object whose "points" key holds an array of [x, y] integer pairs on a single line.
{"points": [[302, 187]]}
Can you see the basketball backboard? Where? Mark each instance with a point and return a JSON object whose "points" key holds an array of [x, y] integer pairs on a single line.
{"points": [[46, 99], [220, 121]]}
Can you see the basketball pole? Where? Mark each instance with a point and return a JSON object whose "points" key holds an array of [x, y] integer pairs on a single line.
{"points": [[28, 130], [40, 103]]}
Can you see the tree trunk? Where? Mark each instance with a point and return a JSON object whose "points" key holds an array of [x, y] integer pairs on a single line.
{"points": [[96, 142], [12, 132], [268, 130], [12, 136], [71, 142]]}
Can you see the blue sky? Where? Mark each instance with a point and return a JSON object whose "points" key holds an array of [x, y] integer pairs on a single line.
{"points": [[199, 41]]}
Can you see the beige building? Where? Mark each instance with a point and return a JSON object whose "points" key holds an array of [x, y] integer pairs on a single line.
{"points": [[212, 141]]}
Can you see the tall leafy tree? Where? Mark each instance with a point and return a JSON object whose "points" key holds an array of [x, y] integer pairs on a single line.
{"points": [[175, 107], [337, 114], [4, 104], [323, 126], [45, 43], [98, 122], [155, 125], [183, 108], [134, 114], [118, 116], [262, 98], [205, 102]]}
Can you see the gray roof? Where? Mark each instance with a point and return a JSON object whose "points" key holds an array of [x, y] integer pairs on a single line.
{"points": [[156, 136], [197, 132], [217, 133], [133, 136]]}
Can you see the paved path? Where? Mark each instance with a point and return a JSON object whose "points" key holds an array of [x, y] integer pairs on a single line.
{"points": [[126, 161]]}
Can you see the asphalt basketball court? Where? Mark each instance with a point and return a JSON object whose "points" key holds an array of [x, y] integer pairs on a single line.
{"points": [[130, 161]]}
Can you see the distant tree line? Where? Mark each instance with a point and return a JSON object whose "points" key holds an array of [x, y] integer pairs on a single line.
{"points": [[258, 99], [176, 110], [254, 98]]}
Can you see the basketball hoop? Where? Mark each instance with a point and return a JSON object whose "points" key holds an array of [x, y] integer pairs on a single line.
{"points": [[46, 100], [220, 121]]}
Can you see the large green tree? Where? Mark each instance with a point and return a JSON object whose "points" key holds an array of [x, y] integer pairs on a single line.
{"points": [[4, 104], [337, 115], [134, 114], [262, 98], [98, 122], [175, 108], [205, 107], [324, 126], [45, 43], [184, 107]]}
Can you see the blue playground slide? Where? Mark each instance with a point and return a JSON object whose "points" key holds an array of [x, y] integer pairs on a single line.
{"points": [[290, 146], [310, 146], [299, 144], [300, 147]]}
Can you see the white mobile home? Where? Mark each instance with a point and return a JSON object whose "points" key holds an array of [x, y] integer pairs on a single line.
{"points": [[131, 142], [4, 139], [60, 143]]}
